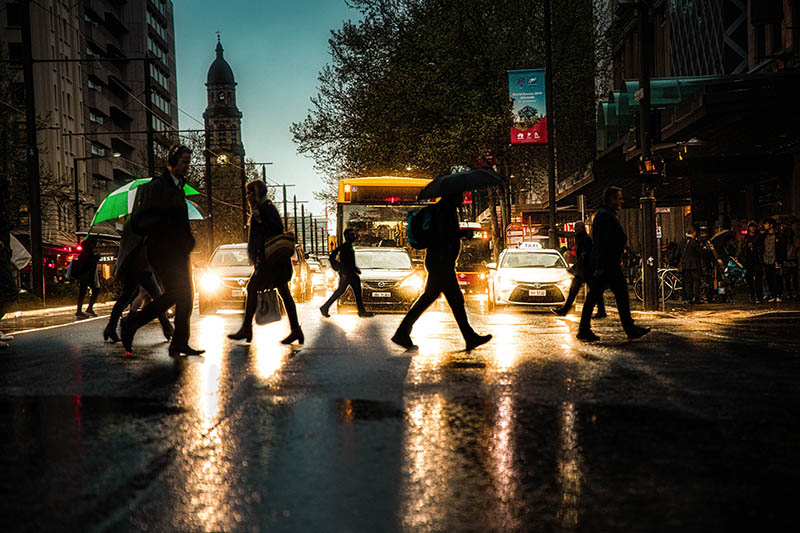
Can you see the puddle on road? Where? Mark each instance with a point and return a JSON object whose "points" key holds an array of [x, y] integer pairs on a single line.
{"points": [[349, 410]]}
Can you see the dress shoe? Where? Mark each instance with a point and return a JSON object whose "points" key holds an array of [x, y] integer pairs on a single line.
{"points": [[110, 333], [126, 333], [81, 314], [90, 312], [637, 332], [404, 340], [175, 351], [587, 336], [243, 334], [477, 340], [365, 314], [599, 315], [560, 311], [294, 336], [324, 311]]}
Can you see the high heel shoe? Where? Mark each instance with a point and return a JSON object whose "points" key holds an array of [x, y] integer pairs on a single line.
{"points": [[110, 333], [243, 333], [295, 335]]}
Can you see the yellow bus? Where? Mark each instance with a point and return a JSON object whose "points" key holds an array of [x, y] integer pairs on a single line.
{"points": [[377, 208]]}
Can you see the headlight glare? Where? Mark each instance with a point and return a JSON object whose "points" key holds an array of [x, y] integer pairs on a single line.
{"points": [[413, 282], [210, 282]]}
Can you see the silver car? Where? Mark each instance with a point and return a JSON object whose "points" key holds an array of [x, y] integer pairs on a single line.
{"points": [[389, 279]]}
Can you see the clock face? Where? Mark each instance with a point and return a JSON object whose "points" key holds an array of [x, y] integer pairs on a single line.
{"points": [[221, 96]]}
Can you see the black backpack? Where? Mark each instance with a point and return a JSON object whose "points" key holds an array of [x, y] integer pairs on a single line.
{"points": [[419, 229]]}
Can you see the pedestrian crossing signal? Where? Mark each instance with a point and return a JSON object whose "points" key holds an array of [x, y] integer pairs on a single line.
{"points": [[652, 170], [331, 242]]}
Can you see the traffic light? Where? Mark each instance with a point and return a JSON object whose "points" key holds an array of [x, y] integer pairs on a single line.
{"points": [[331, 242], [652, 170]]}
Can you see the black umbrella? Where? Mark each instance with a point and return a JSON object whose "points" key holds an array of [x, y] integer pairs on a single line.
{"points": [[478, 178]]}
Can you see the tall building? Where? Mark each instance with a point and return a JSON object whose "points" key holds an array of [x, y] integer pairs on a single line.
{"points": [[223, 120], [91, 104]]}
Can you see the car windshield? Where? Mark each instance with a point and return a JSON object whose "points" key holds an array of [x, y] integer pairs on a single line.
{"points": [[230, 257], [383, 260], [532, 260]]}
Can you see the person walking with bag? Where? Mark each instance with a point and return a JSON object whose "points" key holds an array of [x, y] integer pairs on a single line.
{"points": [[581, 272], [348, 275], [160, 219], [84, 271], [690, 254], [269, 272], [609, 242], [440, 262]]}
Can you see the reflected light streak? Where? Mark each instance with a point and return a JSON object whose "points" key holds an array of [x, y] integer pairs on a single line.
{"points": [[569, 467], [270, 354], [502, 460], [428, 334], [505, 326], [211, 338]]}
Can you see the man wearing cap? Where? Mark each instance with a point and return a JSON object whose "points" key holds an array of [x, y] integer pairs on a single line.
{"points": [[581, 271]]}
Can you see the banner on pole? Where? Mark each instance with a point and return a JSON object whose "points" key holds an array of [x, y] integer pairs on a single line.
{"points": [[528, 106]]}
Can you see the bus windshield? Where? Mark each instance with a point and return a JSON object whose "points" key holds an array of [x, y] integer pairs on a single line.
{"points": [[474, 255]]}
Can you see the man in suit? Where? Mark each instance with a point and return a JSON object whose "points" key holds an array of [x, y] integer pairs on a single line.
{"points": [[349, 275], [582, 272], [609, 242], [160, 217], [690, 253], [440, 262]]}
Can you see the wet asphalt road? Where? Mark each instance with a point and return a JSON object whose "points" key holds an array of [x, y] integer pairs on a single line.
{"points": [[694, 428]]}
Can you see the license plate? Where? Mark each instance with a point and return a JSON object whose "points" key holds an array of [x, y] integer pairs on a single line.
{"points": [[537, 292], [463, 282], [235, 293], [381, 294]]}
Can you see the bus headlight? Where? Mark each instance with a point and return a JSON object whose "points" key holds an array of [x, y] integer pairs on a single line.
{"points": [[210, 282], [413, 282]]}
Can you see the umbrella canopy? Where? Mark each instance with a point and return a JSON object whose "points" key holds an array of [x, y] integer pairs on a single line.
{"points": [[478, 178], [120, 202], [194, 212]]}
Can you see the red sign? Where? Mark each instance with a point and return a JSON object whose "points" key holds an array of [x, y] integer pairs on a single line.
{"points": [[467, 198], [535, 135]]}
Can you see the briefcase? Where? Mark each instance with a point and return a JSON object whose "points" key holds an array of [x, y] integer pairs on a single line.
{"points": [[279, 247]]}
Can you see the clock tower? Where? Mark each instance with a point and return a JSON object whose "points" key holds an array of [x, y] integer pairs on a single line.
{"points": [[223, 120]]}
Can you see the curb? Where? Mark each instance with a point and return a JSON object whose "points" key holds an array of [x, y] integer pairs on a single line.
{"points": [[50, 310]]}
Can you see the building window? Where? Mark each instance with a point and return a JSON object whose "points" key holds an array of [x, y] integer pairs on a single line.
{"points": [[95, 86], [160, 102], [14, 14], [158, 76], [96, 150], [156, 49], [96, 117]]}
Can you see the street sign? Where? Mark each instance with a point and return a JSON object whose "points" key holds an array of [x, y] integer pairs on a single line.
{"points": [[658, 232], [662, 210]]}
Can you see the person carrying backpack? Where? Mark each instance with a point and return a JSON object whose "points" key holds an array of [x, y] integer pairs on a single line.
{"points": [[348, 275], [444, 245]]}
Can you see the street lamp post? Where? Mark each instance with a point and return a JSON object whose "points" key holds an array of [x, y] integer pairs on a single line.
{"points": [[75, 185]]}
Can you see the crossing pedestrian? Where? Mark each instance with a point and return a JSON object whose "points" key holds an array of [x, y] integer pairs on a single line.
{"points": [[750, 251], [609, 242], [84, 271], [440, 262], [160, 219], [343, 260], [268, 272], [581, 271]]}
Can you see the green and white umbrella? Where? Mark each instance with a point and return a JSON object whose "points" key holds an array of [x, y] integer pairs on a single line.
{"points": [[120, 202]]}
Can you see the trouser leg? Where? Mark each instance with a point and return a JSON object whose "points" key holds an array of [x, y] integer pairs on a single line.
{"points": [[148, 281], [769, 273], [595, 294], [619, 287], [340, 290], [455, 299], [355, 284], [574, 289], [601, 305], [93, 297], [177, 279], [428, 296], [129, 288], [81, 294], [288, 304]]}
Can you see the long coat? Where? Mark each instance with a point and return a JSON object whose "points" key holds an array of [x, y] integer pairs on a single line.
{"points": [[690, 253], [267, 224], [609, 240]]}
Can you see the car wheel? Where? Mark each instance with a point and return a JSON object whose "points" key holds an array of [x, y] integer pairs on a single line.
{"points": [[207, 307]]}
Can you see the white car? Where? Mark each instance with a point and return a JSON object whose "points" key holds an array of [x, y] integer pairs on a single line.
{"points": [[528, 276]]}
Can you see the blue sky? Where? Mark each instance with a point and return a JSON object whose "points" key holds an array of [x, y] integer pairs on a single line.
{"points": [[276, 49]]}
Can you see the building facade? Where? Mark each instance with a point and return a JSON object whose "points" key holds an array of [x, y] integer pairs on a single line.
{"points": [[91, 103]]}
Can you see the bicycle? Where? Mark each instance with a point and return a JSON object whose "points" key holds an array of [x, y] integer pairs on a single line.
{"points": [[669, 282]]}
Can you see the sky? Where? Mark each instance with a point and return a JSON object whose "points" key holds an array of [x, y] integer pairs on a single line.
{"points": [[276, 49]]}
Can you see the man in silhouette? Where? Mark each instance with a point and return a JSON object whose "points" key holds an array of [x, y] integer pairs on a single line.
{"points": [[160, 217], [349, 274], [582, 272], [440, 262], [609, 242]]}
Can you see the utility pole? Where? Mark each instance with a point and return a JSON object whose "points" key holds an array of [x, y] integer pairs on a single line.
{"points": [[551, 147], [148, 109], [243, 177], [647, 201], [32, 154], [285, 212], [303, 224], [313, 234], [294, 227]]}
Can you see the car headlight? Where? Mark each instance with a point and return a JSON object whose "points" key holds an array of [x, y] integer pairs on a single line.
{"points": [[482, 275], [564, 284], [505, 283], [210, 282], [413, 282]]}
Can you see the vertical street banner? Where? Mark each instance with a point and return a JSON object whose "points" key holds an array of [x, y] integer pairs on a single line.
{"points": [[528, 106]]}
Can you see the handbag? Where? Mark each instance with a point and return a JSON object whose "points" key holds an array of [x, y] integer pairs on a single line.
{"points": [[279, 246], [268, 309]]}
